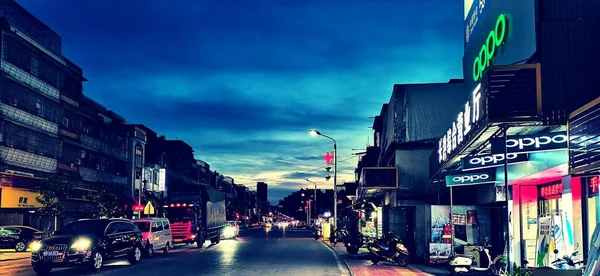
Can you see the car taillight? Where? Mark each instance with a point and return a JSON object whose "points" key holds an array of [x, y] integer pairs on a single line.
{"points": [[37, 236]]}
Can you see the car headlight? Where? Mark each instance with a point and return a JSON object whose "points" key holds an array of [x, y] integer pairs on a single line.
{"points": [[228, 231], [35, 246], [81, 244]]}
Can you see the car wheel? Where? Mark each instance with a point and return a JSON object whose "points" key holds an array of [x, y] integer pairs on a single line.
{"points": [[97, 261], [136, 255], [149, 250], [20, 246], [166, 249], [42, 269]]}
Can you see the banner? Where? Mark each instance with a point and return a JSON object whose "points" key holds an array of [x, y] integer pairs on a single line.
{"points": [[545, 241], [441, 233]]}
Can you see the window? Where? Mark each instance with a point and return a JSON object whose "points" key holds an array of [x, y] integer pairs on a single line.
{"points": [[112, 228], [123, 227], [166, 225], [144, 226], [9, 231], [156, 227], [65, 122]]}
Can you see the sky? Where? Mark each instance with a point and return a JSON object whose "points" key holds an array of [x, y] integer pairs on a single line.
{"points": [[243, 81]]}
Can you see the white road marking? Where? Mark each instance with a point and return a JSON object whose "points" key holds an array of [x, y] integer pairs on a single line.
{"points": [[343, 271]]}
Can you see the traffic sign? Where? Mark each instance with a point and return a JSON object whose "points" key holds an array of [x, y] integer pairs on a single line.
{"points": [[149, 209]]}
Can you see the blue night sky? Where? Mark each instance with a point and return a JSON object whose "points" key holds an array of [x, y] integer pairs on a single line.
{"points": [[243, 81]]}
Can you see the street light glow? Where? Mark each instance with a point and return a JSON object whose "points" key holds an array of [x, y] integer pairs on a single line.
{"points": [[315, 132]]}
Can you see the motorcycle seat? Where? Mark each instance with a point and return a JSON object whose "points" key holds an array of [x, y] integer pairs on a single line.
{"points": [[465, 256]]}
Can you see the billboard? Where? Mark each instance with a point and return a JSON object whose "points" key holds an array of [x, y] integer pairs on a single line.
{"points": [[517, 44], [547, 141], [379, 178], [471, 178]]}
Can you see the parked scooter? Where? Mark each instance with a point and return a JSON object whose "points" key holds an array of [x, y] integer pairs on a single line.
{"points": [[464, 263], [389, 249], [353, 242], [567, 263]]}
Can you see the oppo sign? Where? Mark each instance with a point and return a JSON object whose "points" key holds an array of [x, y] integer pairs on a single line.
{"points": [[478, 177], [494, 39], [491, 160], [532, 143]]}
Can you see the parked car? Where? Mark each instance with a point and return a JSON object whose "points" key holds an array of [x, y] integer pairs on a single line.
{"points": [[18, 237], [230, 231], [88, 243], [156, 234]]}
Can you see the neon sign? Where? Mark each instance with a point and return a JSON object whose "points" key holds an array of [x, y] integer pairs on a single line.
{"points": [[551, 191], [479, 177], [494, 39], [594, 181]]}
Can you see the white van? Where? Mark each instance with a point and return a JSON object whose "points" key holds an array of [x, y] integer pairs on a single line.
{"points": [[156, 233]]}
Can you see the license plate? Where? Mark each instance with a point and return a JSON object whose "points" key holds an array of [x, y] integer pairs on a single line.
{"points": [[51, 253]]}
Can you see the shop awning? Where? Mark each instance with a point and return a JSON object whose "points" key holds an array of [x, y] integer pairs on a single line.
{"points": [[507, 96]]}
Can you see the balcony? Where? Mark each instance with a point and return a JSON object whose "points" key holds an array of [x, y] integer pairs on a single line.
{"points": [[88, 174], [28, 160], [119, 179], [29, 80], [68, 167], [29, 119]]}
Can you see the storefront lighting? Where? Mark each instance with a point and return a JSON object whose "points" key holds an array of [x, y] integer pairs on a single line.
{"points": [[494, 39]]}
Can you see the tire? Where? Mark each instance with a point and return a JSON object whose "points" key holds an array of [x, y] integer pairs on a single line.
{"points": [[218, 238], [136, 255], [352, 250], [42, 269], [20, 246], [149, 250], [403, 261], [96, 262], [166, 249], [374, 259]]}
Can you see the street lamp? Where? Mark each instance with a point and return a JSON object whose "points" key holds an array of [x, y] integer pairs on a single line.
{"points": [[315, 200], [316, 132]]}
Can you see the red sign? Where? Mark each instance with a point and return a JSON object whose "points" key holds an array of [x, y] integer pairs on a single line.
{"points": [[551, 191], [593, 185], [328, 157], [137, 208]]}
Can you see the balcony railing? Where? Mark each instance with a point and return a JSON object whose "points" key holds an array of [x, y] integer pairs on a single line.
{"points": [[29, 119], [28, 160], [88, 174], [29, 80]]}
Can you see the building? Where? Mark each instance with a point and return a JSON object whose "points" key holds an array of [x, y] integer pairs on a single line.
{"points": [[523, 82], [262, 191], [394, 172]]}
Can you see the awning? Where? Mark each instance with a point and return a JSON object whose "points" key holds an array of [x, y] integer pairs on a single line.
{"points": [[18, 198]]}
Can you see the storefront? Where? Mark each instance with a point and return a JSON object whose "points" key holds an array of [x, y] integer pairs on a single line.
{"points": [[584, 168], [18, 204]]}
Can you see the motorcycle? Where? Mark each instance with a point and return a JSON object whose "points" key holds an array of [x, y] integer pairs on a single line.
{"points": [[317, 233], [464, 263], [567, 263], [389, 249], [353, 242]]}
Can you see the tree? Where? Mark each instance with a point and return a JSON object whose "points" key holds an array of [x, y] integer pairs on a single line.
{"points": [[53, 192], [108, 198]]}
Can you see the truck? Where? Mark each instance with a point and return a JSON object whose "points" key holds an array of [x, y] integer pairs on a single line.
{"points": [[196, 221]]}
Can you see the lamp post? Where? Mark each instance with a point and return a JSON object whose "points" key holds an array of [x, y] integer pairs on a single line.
{"points": [[316, 132], [315, 200]]}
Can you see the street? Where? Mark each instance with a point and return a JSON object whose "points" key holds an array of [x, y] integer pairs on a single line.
{"points": [[254, 252]]}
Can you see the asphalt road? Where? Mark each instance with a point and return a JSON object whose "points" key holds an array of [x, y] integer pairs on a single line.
{"points": [[254, 252]]}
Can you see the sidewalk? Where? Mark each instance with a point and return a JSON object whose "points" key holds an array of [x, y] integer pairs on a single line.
{"points": [[360, 265]]}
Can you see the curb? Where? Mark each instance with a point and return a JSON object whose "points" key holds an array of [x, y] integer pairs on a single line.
{"points": [[340, 255], [14, 259]]}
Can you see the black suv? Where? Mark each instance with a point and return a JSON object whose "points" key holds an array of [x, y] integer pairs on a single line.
{"points": [[88, 242]]}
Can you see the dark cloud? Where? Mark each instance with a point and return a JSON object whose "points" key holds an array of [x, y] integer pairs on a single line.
{"points": [[303, 175]]}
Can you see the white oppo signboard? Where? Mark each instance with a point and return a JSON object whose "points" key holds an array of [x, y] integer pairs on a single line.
{"points": [[460, 130], [473, 178], [491, 160], [531, 143]]}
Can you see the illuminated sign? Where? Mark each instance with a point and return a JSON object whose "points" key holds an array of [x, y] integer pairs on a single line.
{"points": [[593, 183], [551, 191], [328, 158], [494, 39], [491, 160], [531, 143], [162, 175], [457, 134], [479, 177]]}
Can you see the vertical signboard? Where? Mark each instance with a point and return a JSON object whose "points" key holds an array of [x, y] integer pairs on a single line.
{"points": [[162, 177]]}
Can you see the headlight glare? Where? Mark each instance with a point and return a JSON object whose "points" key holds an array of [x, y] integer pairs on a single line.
{"points": [[81, 244], [35, 246]]}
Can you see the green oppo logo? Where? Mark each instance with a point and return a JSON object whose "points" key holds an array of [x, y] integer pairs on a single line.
{"points": [[494, 39]]}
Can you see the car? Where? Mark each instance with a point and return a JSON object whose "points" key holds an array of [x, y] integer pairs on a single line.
{"points": [[88, 242], [18, 237], [231, 230], [156, 234]]}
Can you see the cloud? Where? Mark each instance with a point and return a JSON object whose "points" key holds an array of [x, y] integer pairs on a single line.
{"points": [[243, 82]]}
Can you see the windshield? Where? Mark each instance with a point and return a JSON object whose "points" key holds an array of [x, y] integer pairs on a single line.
{"points": [[89, 227], [144, 226]]}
